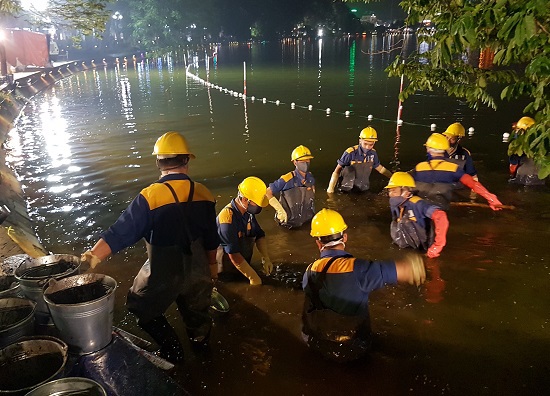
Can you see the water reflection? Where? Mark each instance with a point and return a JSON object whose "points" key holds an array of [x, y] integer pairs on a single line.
{"points": [[484, 300]]}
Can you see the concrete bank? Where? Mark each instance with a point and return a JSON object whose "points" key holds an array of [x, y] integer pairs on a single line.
{"points": [[17, 233]]}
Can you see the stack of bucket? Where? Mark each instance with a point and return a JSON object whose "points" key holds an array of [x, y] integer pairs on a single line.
{"points": [[43, 297]]}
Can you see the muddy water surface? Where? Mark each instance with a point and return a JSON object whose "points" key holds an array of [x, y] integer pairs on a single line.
{"points": [[480, 324]]}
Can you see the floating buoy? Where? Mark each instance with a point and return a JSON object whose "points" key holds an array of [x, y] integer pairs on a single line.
{"points": [[370, 117], [432, 127], [277, 102], [399, 122], [253, 98], [293, 105], [347, 113], [310, 107], [471, 131], [505, 137], [264, 100], [328, 110]]}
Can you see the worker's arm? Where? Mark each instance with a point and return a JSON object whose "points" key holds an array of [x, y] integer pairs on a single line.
{"points": [[441, 225], [380, 168], [478, 188], [410, 269], [244, 267], [97, 254], [334, 178]]}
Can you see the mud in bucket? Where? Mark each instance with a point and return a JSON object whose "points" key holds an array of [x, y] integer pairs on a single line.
{"points": [[16, 319], [69, 386], [82, 309], [33, 276], [30, 362]]}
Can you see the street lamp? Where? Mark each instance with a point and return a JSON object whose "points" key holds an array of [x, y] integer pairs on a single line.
{"points": [[117, 17]]}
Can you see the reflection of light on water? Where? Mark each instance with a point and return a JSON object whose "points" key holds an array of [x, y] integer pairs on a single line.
{"points": [[319, 74], [54, 131]]}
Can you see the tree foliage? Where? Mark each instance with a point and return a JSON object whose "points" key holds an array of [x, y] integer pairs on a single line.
{"points": [[89, 17], [516, 32]]}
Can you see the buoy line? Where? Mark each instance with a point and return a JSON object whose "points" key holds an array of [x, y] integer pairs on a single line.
{"points": [[328, 111]]}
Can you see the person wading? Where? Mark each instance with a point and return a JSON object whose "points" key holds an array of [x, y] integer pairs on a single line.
{"points": [[523, 170], [239, 231], [295, 205], [177, 219], [335, 317], [435, 177], [354, 167], [416, 223]]}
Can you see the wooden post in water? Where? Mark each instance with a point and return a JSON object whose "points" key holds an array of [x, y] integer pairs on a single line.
{"points": [[244, 72]]}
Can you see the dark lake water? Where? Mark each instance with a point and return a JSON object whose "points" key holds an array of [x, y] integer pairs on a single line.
{"points": [[480, 325]]}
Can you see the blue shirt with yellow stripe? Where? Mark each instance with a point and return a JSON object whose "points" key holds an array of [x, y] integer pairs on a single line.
{"points": [[155, 216], [291, 180], [233, 226], [463, 155], [349, 281], [437, 170], [356, 154], [416, 209]]}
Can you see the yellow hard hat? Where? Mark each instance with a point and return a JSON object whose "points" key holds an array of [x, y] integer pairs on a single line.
{"points": [[254, 189], [369, 133], [437, 141], [525, 122], [455, 129], [401, 179], [301, 153], [171, 144], [327, 222]]}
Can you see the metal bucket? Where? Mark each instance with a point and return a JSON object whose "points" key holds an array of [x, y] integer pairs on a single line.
{"points": [[30, 362], [9, 285], [69, 386], [34, 275], [16, 319], [82, 309]]}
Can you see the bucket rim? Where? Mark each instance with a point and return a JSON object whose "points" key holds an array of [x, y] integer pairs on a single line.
{"points": [[69, 278], [26, 318], [69, 380], [64, 350]]}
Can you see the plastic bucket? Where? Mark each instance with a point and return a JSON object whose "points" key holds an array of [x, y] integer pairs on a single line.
{"points": [[82, 309], [69, 386], [33, 276], [30, 362], [16, 319]]}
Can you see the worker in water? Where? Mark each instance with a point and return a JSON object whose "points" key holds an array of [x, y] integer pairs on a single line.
{"points": [[239, 231], [335, 318], [434, 178], [296, 190], [354, 167], [177, 219], [458, 154], [416, 223], [523, 170]]}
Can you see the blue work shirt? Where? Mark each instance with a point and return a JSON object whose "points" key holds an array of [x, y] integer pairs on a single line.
{"points": [[349, 281], [291, 180], [155, 216], [463, 155], [233, 226], [356, 154], [437, 170], [416, 209]]}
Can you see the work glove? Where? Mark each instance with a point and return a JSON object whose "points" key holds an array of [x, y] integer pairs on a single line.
{"points": [[281, 214], [90, 258], [249, 272], [418, 271], [261, 244], [333, 181], [267, 265], [477, 187], [385, 172], [513, 170], [441, 225]]}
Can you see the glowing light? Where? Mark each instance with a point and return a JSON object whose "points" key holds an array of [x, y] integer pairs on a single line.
{"points": [[38, 5]]}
